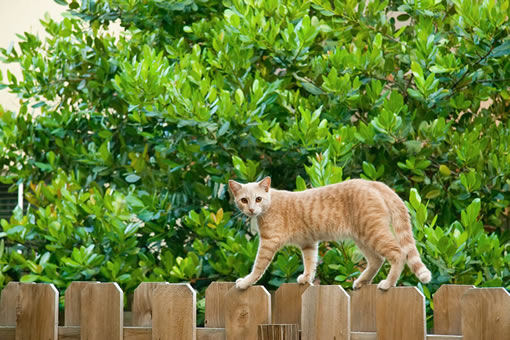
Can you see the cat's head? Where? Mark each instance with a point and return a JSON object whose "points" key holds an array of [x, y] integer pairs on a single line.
{"points": [[253, 198]]}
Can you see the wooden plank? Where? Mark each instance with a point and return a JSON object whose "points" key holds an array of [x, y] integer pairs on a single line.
{"points": [[69, 332], [174, 312], [8, 332], [363, 309], [325, 313], [287, 304], [73, 302], [215, 304], [142, 303], [278, 332], [246, 309], [8, 302], [211, 334], [101, 312], [486, 314], [373, 336], [137, 333], [447, 318], [37, 312], [400, 314], [363, 335]]}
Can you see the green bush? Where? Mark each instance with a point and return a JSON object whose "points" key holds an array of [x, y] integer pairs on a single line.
{"points": [[125, 141]]}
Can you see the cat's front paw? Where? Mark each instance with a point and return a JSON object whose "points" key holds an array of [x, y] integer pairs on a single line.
{"points": [[384, 285], [359, 283], [302, 279], [243, 283]]}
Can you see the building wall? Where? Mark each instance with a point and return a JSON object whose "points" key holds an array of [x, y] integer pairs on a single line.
{"points": [[18, 16]]}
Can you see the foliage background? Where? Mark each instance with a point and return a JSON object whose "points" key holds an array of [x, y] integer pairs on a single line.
{"points": [[125, 142]]}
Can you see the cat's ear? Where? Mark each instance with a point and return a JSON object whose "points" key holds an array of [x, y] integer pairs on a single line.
{"points": [[234, 186], [265, 183]]}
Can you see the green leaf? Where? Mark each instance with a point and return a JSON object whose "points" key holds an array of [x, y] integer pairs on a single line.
{"points": [[311, 88], [132, 178]]}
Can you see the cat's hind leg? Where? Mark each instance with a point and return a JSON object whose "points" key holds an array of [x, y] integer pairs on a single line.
{"points": [[391, 250], [310, 253], [374, 263]]}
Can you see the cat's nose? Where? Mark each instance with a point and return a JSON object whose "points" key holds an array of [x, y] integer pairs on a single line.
{"points": [[251, 210]]}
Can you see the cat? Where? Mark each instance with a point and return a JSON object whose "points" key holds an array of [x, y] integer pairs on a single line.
{"points": [[368, 212]]}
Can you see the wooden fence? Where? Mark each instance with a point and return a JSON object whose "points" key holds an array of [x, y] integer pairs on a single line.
{"points": [[162, 311]]}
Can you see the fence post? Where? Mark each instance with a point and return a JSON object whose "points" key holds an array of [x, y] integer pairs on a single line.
{"points": [[447, 319], [37, 312], [246, 309], [485, 314], [400, 314], [278, 332], [215, 304], [102, 316], [142, 303], [287, 304], [174, 312], [363, 309], [325, 313], [8, 303]]}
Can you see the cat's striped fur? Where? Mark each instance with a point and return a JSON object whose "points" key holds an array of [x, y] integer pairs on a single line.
{"points": [[368, 212]]}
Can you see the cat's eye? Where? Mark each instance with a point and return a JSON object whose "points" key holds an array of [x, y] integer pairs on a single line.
{"points": [[258, 199], [244, 200]]}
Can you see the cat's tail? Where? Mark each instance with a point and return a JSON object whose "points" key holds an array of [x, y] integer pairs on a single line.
{"points": [[401, 222]]}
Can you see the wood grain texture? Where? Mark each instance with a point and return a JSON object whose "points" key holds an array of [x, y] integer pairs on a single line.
{"points": [[287, 304], [325, 313], [174, 312], [373, 336], [73, 302], [215, 304], [400, 314], [102, 312], [137, 333], [7, 332], [246, 309], [69, 333], [211, 334], [363, 309], [142, 303], [8, 302], [447, 317], [278, 332], [486, 314], [37, 312]]}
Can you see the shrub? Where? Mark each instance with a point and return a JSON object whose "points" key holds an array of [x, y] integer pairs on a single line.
{"points": [[125, 142]]}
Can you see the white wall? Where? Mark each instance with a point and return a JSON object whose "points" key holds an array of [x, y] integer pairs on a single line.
{"points": [[18, 16]]}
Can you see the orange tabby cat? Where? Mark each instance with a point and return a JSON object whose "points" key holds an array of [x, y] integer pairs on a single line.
{"points": [[368, 212]]}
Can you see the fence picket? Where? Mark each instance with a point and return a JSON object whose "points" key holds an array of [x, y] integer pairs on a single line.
{"points": [[363, 309], [400, 314], [37, 312], [73, 302], [142, 303], [215, 304], [102, 312], [287, 304], [174, 312], [278, 332], [485, 314], [245, 310], [325, 313], [447, 318], [8, 302]]}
